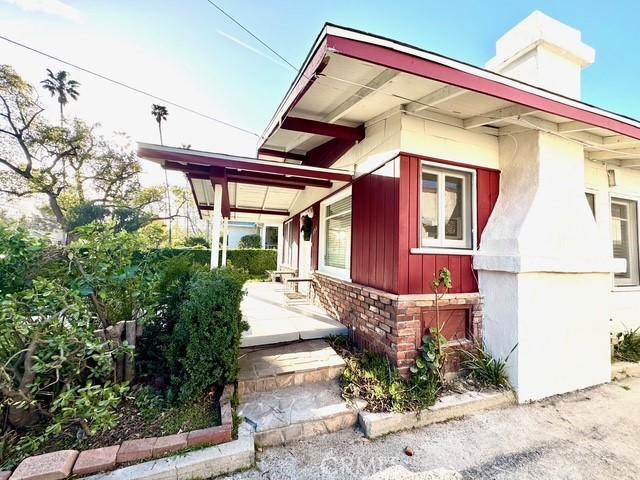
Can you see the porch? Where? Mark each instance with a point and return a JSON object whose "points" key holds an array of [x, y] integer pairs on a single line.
{"points": [[272, 320]]}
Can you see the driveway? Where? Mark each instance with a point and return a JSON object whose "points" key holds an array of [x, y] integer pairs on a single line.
{"points": [[593, 434]]}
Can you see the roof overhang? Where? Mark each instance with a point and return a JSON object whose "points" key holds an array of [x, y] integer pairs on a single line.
{"points": [[252, 189], [351, 77]]}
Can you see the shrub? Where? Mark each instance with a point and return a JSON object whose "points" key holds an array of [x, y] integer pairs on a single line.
{"points": [[369, 376], [250, 241], [627, 348], [171, 290], [197, 242], [484, 368], [21, 256], [54, 368], [204, 348]]}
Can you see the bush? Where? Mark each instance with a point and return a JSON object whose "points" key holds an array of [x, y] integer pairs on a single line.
{"points": [[627, 348], [197, 242], [256, 262], [55, 370], [369, 376], [204, 347], [21, 256], [250, 241]]}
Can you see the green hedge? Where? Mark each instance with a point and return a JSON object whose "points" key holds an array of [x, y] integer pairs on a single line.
{"points": [[254, 260]]}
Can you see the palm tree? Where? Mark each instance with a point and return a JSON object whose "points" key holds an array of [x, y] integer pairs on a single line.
{"points": [[160, 113], [61, 85]]}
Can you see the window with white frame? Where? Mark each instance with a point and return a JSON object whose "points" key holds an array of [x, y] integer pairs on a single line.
{"points": [[446, 208], [287, 247], [335, 235], [624, 236]]}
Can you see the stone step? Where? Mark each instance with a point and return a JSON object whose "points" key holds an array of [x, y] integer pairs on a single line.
{"points": [[300, 363], [300, 411]]}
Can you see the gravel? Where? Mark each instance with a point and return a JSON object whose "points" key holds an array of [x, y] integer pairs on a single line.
{"points": [[592, 434]]}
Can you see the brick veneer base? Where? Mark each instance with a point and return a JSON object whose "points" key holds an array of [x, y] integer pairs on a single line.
{"points": [[387, 323]]}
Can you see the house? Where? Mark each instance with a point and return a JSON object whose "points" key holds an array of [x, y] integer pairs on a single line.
{"points": [[401, 161], [268, 233]]}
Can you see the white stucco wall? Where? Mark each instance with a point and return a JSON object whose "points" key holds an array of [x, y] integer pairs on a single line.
{"points": [[623, 302], [448, 142]]}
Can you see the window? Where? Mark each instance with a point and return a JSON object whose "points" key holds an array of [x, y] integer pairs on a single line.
{"points": [[624, 235], [446, 208], [335, 247], [287, 235], [591, 200]]}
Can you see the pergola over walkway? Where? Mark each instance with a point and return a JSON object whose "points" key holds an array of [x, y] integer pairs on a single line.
{"points": [[232, 187]]}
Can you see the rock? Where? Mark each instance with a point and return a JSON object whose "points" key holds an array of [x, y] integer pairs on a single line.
{"points": [[408, 451]]}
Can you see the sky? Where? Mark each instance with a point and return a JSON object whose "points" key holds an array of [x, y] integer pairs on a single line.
{"points": [[188, 52]]}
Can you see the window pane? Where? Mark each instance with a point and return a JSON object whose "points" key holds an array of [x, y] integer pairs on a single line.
{"points": [[624, 227], [453, 205], [338, 236], [429, 206]]}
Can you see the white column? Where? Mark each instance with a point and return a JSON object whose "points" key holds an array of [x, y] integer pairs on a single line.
{"points": [[215, 230], [263, 235], [225, 234]]}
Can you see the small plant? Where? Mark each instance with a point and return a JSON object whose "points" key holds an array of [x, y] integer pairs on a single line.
{"points": [[433, 355], [627, 347], [484, 368]]}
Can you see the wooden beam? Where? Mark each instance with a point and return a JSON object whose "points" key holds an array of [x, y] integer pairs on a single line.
{"points": [[265, 183], [345, 107], [217, 176], [315, 127], [618, 154], [499, 115], [620, 141], [435, 98], [257, 211], [569, 127], [279, 154], [630, 163], [239, 176]]}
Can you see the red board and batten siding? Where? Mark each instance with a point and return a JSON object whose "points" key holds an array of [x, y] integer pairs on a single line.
{"points": [[416, 271], [374, 227]]}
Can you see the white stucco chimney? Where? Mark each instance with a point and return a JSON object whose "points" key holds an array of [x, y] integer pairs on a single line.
{"points": [[543, 52]]}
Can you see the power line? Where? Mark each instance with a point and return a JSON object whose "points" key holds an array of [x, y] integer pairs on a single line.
{"points": [[264, 44], [129, 87]]}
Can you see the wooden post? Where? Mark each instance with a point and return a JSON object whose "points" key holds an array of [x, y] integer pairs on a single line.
{"points": [[225, 234], [215, 231]]}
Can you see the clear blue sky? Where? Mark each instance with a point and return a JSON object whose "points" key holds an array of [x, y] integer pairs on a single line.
{"points": [[229, 80]]}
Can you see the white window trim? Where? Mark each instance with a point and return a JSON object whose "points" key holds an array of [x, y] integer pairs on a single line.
{"points": [[341, 273], [613, 196], [448, 247], [287, 248]]}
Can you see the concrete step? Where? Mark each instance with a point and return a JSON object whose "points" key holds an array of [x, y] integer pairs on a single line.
{"points": [[300, 411], [300, 363]]}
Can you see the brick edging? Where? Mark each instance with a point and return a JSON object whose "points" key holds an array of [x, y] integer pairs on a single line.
{"points": [[62, 464]]}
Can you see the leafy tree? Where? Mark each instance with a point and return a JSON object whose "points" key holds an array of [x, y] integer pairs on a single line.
{"points": [[61, 85], [83, 176], [160, 113]]}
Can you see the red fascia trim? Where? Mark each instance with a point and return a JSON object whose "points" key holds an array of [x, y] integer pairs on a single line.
{"points": [[425, 68], [343, 132], [259, 211], [278, 154], [448, 162], [315, 67], [328, 153]]}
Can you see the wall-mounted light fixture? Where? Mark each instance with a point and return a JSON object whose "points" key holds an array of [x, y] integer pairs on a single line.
{"points": [[611, 176]]}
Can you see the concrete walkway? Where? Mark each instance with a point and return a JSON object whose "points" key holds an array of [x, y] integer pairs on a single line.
{"points": [[272, 321], [590, 435]]}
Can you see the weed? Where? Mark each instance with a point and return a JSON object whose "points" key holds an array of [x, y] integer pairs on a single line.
{"points": [[484, 368], [627, 347]]}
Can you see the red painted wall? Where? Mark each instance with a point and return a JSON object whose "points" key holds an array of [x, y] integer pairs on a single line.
{"points": [[374, 232], [385, 224], [385, 229]]}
